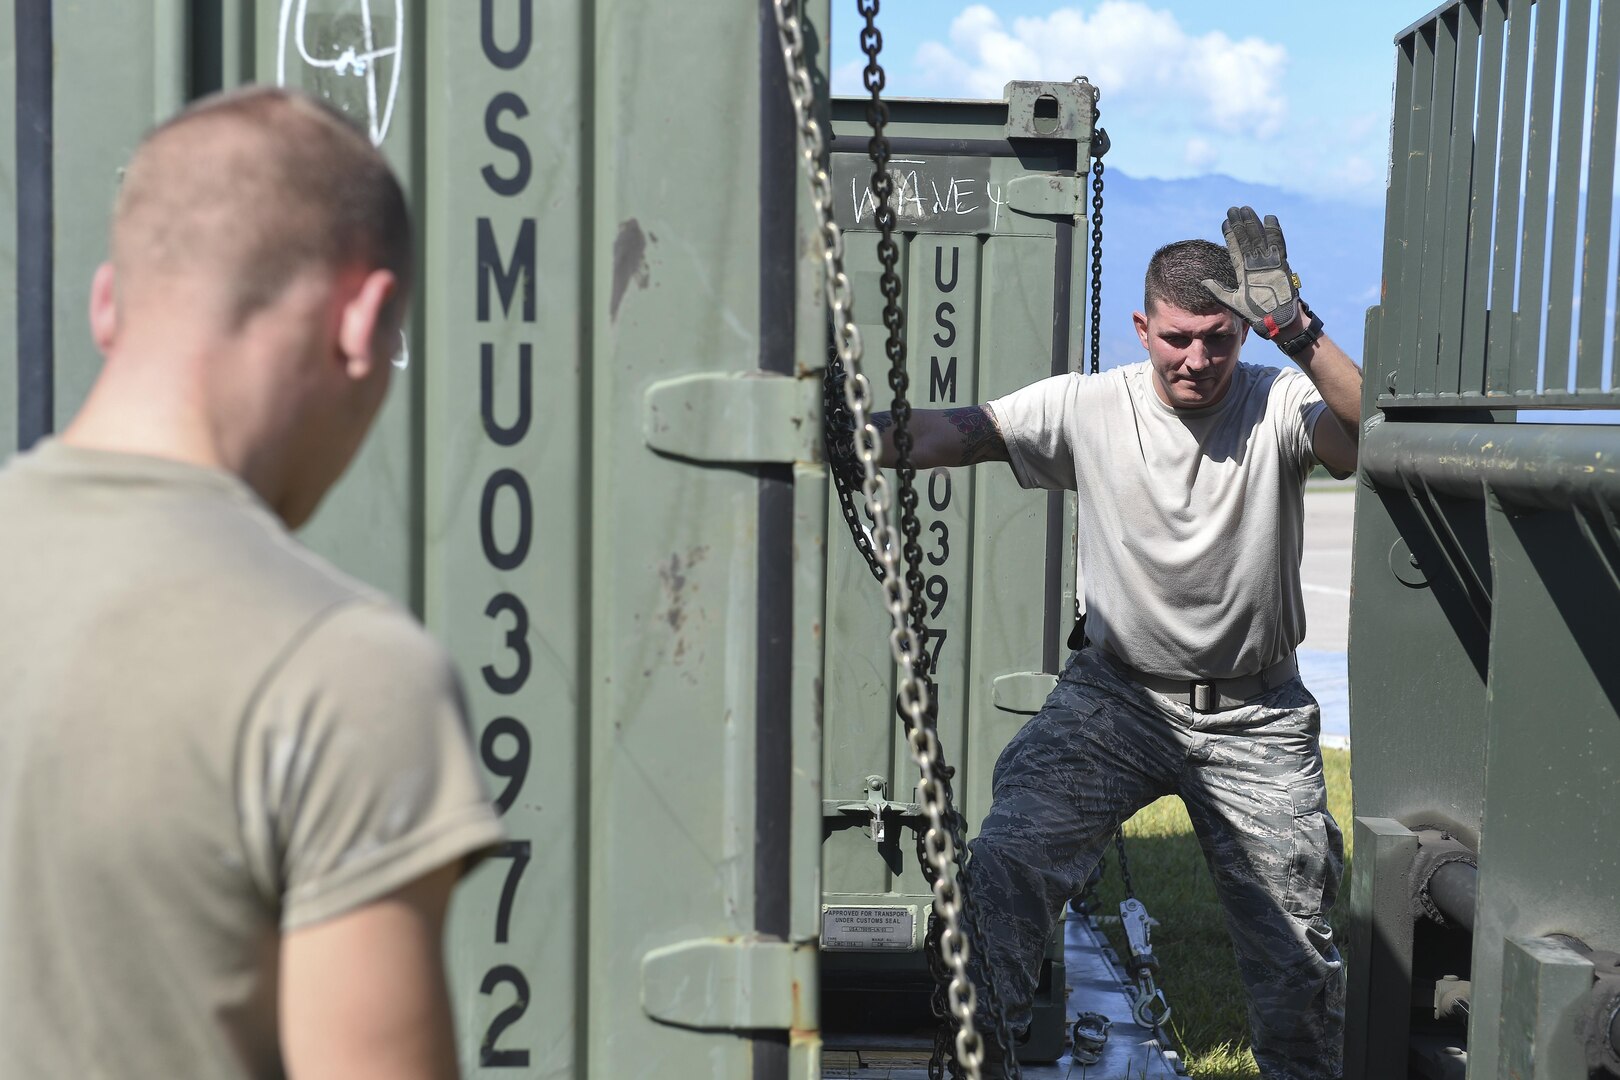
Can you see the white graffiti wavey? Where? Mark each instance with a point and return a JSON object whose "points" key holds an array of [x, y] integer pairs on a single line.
{"points": [[360, 59]]}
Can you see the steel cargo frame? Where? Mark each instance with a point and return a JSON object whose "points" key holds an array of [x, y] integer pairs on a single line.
{"points": [[1485, 692]]}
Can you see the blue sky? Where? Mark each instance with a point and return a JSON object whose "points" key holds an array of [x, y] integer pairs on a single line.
{"points": [[1207, 105], [1282, 106], [1292, 95]]}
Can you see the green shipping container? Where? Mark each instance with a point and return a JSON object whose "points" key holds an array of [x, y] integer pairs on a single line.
{"points": [[589, 480], [989, 197], [597, 478]]}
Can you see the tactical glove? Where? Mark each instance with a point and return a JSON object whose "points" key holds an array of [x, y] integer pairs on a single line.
{"points": [[1266, 293]]}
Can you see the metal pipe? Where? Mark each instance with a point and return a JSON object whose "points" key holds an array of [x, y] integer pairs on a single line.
{"points": [[1454, 888], [1533, 465]]}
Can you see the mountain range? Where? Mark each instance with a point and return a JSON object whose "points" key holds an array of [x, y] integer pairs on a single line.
{"points": [[1336, 248]]}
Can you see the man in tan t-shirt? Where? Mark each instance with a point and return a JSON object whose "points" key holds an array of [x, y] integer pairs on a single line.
{"points": [[1190, 469], [236, 787]]}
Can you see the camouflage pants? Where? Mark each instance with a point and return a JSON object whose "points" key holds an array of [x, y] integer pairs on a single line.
{"points": [[1251, 777]]}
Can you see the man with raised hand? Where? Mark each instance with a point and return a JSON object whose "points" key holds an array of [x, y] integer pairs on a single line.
{"points": [[1190, 469], [236, 787]]}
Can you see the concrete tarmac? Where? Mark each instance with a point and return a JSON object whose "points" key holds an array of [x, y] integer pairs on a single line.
{"points": [[1325, 580], [1325, 568]]}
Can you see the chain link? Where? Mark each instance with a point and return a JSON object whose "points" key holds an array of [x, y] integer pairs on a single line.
{"points": [[1124, 865], [914, 699]]}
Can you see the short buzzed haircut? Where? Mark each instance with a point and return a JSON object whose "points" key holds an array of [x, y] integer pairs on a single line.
{"points": [[1176, 273], [253, 186]]}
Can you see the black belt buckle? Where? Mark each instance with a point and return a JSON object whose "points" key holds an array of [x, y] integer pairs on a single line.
{"points": [[1204, 697]]}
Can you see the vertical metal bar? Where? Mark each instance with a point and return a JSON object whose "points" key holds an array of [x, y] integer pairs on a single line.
{"points": [[1454, 258], [1380, 1012], [1599, 202], [1526, 336], [1417, 189], [1472, 343], [226, 42], [1515, 80], [774, 546], [1393, 286], [36, 223], [1441, 135], [1566, 195], [1544, 983], [211, 45], [171, 60], [589, 171], [1062, 309]]}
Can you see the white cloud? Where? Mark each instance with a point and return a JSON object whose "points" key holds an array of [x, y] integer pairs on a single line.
{"points": [[1140, 58], [1201, 154], [1177, 104], [846, 78]]}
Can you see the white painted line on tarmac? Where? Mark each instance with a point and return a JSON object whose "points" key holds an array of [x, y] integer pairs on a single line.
{"points": [[1329, 589]]}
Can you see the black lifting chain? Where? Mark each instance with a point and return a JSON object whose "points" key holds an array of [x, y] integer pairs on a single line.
{"points": [[839, 430], [877, 114], [1099, 147], [837, 423], [894, 320], [1124, 864]]}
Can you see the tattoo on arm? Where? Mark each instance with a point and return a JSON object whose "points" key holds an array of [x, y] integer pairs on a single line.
{"points": [[882, 422], [980, 438]]}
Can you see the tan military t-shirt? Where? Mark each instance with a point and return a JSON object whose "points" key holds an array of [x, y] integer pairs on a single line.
{"points": [[207, 736], [1191, 520]]}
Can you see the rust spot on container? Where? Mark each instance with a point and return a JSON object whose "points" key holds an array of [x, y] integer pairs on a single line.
{"points": [[798, 1004], [674, 576], [629, 263]]}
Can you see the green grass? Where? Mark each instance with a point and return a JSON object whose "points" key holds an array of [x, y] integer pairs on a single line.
{"points": [[1209, 1023]]}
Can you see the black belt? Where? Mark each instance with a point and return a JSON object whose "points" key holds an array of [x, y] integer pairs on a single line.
{"points": [[1212, 695]]}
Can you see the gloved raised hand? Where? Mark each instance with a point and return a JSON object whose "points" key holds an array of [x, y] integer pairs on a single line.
{"points": [[1266, 294]]}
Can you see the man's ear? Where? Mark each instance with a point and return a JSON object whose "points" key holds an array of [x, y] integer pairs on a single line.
{"points": [[104, 307], [362, 319], [1139, 320]]}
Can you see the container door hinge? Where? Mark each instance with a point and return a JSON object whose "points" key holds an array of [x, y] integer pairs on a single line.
{"points": [[735, 418], [1022, 691], [1046, 195], [731, 984]]}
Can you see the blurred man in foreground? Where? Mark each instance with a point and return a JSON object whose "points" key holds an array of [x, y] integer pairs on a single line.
{"points": [[236, 787]]}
